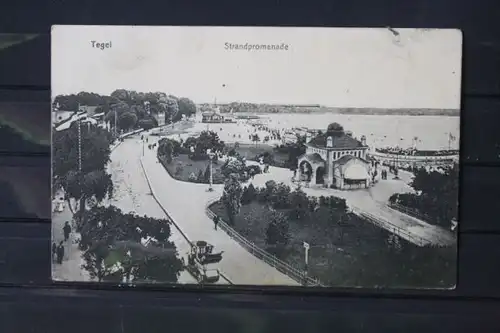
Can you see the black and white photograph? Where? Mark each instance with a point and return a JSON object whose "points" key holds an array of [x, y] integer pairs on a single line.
{"points": [[314, 157]]}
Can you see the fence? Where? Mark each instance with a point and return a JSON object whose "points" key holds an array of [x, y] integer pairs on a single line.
{"points": [[398, 231], [409, 211], [294, 273]]}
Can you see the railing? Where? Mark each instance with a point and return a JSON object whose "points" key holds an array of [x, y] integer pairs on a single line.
{"points": [[294, 273], [410, 212], [398, 231]]}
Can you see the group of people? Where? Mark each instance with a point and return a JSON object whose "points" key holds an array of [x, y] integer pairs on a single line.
{"points": [[58, 249]]}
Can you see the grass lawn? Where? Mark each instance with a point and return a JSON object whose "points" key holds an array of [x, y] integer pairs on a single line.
{"points": [[249, 151], [186, 166], [354, 253]]}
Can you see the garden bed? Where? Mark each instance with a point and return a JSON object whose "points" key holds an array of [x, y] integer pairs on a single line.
{"points": [[251, 151], [352, 253], [182, 168]]}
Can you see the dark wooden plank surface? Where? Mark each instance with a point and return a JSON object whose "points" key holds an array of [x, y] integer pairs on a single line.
{"points": [[481, 49], [25, 253], [480, 199], [131, 312], [480, 131], [25, 259], [24, 247]]}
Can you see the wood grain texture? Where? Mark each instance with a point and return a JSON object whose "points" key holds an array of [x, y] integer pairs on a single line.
{"points": [[24, 247], [25, 259], [194, 312], [481, 49]]}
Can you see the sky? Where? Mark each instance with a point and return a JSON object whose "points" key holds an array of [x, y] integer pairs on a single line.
{"points": [[336, 67]]}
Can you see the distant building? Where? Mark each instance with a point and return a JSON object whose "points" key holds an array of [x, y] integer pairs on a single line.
{"points": [[212, 117], [62, 120], [159, 116], [335, 159]]}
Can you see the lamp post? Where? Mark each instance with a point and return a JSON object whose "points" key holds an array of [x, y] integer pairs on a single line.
{"points": [[396, 167], [306, 261], [210, 156], [143, 139]]}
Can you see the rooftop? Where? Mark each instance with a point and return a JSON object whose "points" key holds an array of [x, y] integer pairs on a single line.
{"points": [[346, 158], [340, 141]]}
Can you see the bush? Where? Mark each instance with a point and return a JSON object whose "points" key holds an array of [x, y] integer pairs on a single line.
{"points": [[277, 233], [193, 178], [146, 124], [253, 169]]}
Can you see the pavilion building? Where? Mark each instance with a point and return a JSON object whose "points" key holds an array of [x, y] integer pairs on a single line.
{"points": [[335, 159]]}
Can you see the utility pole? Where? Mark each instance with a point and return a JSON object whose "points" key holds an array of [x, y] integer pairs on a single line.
{"points": [[79, 146]]}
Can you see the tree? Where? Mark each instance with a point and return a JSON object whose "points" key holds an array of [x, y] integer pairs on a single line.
{"points": [[335, 129], [436, 195], [146, 124], [126, 247], [186, 107], [233, 166], [166, 149], [172, 108], [95, 143], [299, 203], [92, 183], [199, 177], [249, 194], [88, 188], [277, 233], [231, 198], [206, 174], [127, 120]]}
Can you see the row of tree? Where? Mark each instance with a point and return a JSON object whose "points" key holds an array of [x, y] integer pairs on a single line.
{"points": [[436, 195], [354, 251], [116, 246], [195, 147], [285, 204], [265, 108], [131, 108]]}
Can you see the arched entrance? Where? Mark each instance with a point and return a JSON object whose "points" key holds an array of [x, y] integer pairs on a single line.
{"points": [[320, 173], [306, 170]]}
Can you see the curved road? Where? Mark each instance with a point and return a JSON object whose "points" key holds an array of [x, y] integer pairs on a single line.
{"points": [[131, 193], [185, 203]]}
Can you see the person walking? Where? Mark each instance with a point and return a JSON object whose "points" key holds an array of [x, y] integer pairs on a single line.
{"points": [[66, 230], [54, 251], [216, 221], [60, 253]]}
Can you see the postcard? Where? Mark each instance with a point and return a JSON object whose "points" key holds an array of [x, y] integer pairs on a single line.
{"points": [[265, 156]]}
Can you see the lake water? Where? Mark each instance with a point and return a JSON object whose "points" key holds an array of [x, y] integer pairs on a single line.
{"points": [[380, 130]]}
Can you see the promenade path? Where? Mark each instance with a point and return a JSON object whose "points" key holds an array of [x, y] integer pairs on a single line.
{"points": [[373, 202], [131, 193], [71, 267], [185, 203]]}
